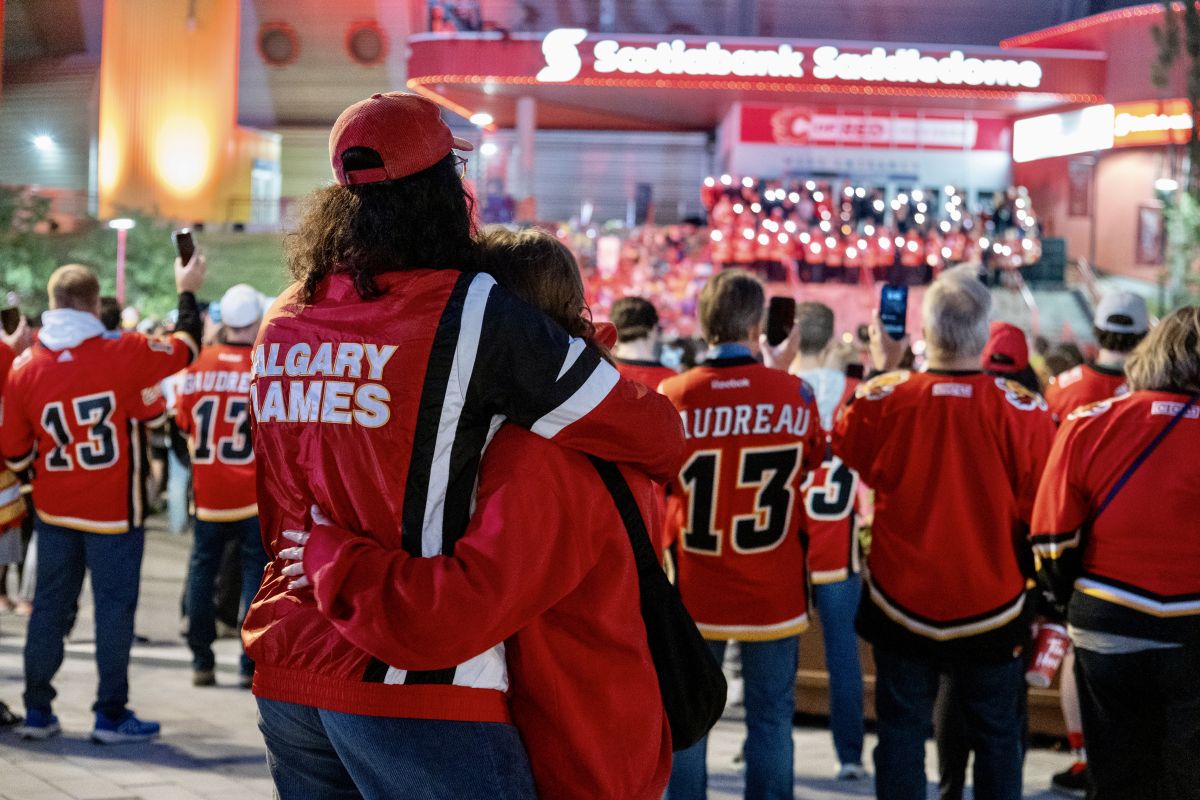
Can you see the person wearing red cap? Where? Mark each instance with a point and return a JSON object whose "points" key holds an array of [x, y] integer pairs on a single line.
{"points": [[1007, 356], [378, 378]]}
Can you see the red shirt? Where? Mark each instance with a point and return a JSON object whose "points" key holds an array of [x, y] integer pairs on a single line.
{"points": [[954, 459], [68, 414], [558, 587], [12, 506], [213, 409], [754, 434], [1081, 385], [377, 411], [1134, 572], [648, 373]]}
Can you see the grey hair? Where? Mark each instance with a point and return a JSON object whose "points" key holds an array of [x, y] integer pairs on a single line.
{"points": [[955, 314]]}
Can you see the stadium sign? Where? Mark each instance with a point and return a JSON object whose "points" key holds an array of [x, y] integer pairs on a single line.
{"points": [[564, 62]]}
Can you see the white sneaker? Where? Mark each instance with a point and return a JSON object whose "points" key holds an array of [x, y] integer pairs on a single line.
{"points": [[851, 772]]}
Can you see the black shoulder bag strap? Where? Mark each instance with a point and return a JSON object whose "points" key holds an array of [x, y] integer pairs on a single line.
{"points": [[1141, 459], [690, 680]]}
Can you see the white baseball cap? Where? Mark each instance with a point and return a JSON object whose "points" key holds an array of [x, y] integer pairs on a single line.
{"points": [[241, 305], [1122, 312]]}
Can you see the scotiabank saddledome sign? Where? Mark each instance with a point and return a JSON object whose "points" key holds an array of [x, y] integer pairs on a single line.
{"points": [[567, 52]]}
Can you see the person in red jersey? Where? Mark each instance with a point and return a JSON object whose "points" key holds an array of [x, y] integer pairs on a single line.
{"points": [[379, 376], [830, 520], [954, 456], [1117, 537], [67, 411], [213, 410], [638, 339], [1121, 322], [12, 503], [754, 435], [584, 691]]}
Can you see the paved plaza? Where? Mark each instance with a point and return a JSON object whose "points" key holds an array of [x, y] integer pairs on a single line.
{"points": [[211, 748]]}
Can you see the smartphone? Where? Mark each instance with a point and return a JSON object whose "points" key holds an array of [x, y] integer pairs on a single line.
{"points": [[855, 372], [185, 245], [10, 318], [781, 316], [893, 309]]}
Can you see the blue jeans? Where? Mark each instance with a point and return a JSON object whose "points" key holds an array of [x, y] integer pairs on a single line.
{"points": [[989, 695], [208, 545], [313, 753], [837, 604], [769, 670], [179, 476], [115, 562]]}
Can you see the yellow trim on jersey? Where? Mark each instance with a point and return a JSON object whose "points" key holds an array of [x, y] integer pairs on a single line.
{"points": [[85, 525], [830, 576], [998, 620], [1144, 605], [187, 339], [755, 633], [226, 514]]}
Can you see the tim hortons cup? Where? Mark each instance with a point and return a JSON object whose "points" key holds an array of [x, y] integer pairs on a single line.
{"points": [[1048, 652]]}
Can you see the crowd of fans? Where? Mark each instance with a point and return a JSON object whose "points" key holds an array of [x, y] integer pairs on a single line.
{"points": [[405, 417], [837, 231]]}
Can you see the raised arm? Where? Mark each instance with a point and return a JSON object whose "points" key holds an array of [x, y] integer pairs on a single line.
{"points": [[528, 369]]}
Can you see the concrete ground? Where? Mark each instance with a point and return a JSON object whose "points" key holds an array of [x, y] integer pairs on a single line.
{"points": [[211, 748]]}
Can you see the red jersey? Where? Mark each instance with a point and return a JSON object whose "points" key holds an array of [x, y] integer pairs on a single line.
{"points": [[12, 505], [1081, 386], [213, 408], [560, 588], [648, 373], [69, 414], [954, 459], [378, 412], [753, 435], [1134, 571]]}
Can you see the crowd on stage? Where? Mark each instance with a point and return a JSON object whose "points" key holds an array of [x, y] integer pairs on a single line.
{"points": [[491, 546], [838, 231]]}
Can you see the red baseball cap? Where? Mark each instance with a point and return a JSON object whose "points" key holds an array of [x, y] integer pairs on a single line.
{"points": [[1006, 350], [405, 130]]}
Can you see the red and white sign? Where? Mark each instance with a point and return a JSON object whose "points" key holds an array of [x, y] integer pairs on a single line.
{"points": [[803, 125]]}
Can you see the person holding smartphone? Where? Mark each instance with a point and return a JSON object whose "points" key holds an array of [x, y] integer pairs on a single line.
{"points": [[954, 456]]}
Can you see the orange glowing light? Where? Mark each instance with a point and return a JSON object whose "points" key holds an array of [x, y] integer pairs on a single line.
{"points": [[182, 154]]}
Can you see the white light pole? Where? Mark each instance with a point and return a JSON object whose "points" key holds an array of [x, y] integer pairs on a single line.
{"points": [[121, 226]]}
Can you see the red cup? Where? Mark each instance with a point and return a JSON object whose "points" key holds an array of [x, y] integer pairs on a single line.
{"points": [[1048, 652]]}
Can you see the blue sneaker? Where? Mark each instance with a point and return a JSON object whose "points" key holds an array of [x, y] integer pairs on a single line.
{"points": [[38, 725], [125, 729]]}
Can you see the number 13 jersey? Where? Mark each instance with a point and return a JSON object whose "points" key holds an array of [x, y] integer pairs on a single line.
{"points": [[213, 409], [753, 435]]}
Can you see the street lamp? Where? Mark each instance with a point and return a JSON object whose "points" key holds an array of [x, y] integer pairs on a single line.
{"points": [[43, 142], [121, 226]]}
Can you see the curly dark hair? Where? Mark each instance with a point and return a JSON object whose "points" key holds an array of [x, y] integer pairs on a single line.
{"points": [[423, 220]]}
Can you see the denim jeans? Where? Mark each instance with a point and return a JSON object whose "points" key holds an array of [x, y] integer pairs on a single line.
{"points": [[179, 476], [837, 604], [313, 753], [1141, 722], [769, 670], [990, 700], [115, 563], [208, 545]]}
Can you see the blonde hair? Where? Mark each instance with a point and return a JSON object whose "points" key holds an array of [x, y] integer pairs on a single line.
{"points": [[1168, 359], [955, 314], [74, 286]]}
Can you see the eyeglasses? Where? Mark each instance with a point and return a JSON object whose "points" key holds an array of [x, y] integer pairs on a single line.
{"points": [[460, 165]]}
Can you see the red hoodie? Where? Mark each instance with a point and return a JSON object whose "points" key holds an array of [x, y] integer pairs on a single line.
{"points": [[555, 579]]}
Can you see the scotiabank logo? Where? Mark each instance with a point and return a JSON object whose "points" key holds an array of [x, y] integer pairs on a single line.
{"points": [[561, 49]]}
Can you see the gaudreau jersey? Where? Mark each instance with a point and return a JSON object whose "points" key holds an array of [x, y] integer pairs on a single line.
{"points": [[378, 412], [12, 506], [70, 415], [1081, 386], [1134, 572], [753, 435], [213, 408], [648, 373], [954, 459]]}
